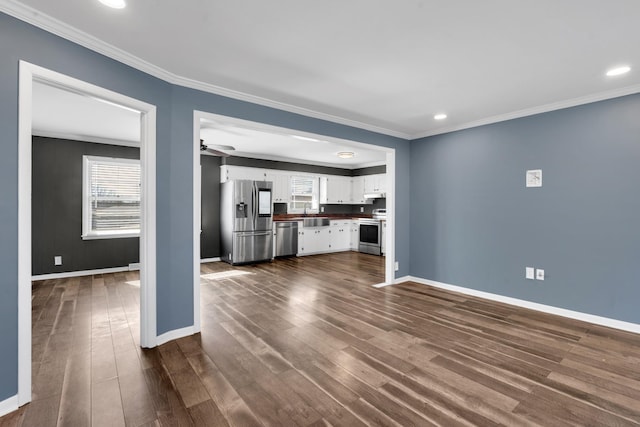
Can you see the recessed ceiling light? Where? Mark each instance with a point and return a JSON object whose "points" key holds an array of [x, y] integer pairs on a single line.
{"points": [[618, 71], [115, 4], [346, 154], [440, 116]]}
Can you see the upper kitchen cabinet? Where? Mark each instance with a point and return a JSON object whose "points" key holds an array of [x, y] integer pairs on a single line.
{"points": [[357, 190], [281, 186], [240, 172], [375, 183], [335, 190]]}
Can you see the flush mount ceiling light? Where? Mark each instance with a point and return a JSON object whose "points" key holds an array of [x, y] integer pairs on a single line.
{"points": [[346, 154], [618, 71], [440, 116], [115, 4]]}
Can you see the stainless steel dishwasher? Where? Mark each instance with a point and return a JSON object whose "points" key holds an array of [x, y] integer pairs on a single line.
{"points": [[286, 238]]}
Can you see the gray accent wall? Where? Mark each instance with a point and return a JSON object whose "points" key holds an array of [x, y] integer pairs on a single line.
{"points": [[57, 209], [210, 207], [174, 165], [474, 224]]}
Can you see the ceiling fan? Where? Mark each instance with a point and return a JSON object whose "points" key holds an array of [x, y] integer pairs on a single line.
{"points": [[215, 149]]}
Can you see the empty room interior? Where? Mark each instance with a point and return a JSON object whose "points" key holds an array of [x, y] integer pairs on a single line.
{"points": [[329, 214]]}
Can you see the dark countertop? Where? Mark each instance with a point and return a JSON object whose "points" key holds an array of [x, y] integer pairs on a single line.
{"points": [[291, 217]]}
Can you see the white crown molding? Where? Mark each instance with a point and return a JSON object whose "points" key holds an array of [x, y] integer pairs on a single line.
{"points": [[59, 28], [585, 317], [574, 102]]}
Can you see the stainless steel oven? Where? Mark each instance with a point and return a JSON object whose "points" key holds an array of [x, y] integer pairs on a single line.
{"points": [[371, 233]]}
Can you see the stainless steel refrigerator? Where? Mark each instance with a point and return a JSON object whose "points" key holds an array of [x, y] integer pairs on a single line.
{"points": [[246, 221]]}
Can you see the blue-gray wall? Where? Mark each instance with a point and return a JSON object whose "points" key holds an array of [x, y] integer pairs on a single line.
{"points": [[175, 105], [474, 224]]}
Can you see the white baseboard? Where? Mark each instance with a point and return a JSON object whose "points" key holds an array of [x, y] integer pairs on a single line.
{"points": [[8, 405], [67, 274], [598, 320], [134, 266], [205, 260], [174, 335], [403, 279]]}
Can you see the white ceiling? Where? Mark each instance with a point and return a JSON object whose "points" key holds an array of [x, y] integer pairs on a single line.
{"points": [[59, 113], [288, 146], [382, 65]]}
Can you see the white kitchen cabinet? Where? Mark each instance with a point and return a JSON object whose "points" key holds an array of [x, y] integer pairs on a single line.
{"points": [[335, 190], [240, 172], [375, 183], [301, 238], [340, 238], [316, 240], [357, 190], [281, 186], [383, 236], [355, 235]]}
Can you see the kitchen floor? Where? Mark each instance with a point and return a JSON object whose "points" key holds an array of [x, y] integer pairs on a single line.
{"points": [[307, 341]]}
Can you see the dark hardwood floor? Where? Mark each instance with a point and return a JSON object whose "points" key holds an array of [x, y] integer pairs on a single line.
{"points": [[308, 342]]}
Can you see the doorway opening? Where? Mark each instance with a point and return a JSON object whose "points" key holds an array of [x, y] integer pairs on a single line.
{"points": [[232, 124], [30, 74]]}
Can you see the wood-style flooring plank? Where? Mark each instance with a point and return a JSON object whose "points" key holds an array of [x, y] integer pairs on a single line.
{"points": [[308, 342]]}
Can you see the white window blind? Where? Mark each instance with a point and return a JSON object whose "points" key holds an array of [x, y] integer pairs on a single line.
{"points": [[304, 193], [111, 197]]}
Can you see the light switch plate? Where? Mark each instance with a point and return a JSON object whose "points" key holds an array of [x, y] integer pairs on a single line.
{"points": [[539, 274], [529, 273]]}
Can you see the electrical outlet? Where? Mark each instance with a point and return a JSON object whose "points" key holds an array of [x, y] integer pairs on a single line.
{"points": [[321, 208], [57, 260], [539, 274], [361, 209], [529, 273], [397, 266]]}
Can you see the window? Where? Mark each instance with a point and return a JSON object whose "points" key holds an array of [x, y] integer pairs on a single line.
{"points": [[111, 198], [304, 194]]}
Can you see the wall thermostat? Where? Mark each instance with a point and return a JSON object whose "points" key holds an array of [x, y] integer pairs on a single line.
{"points": [[534, 178]]}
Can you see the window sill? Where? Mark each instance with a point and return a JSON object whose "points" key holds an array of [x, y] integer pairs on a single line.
{"points": [[109, 235]]}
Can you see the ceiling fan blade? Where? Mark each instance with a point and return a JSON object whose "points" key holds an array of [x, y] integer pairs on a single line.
{"points": [[221, 147], [217, 153]]}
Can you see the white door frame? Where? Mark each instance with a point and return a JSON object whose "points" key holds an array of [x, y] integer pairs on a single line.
{"points": [[28, 74], [197, 191]]}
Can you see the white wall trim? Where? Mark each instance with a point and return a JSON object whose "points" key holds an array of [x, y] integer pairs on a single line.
{"points": [[59, 28], [28, 73], [175, 334], [585, 317], [197, 218], [8, 405], [205, 260], [79, 273], [574, 102]]}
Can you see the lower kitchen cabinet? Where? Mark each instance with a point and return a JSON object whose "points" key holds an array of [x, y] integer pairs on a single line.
{"points": [[335, 238], [340, 238], [354, 241], [316, 240]]}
